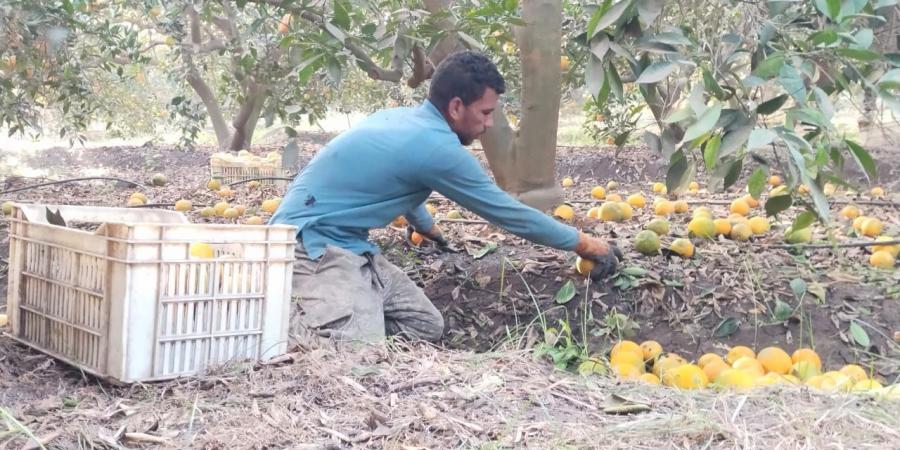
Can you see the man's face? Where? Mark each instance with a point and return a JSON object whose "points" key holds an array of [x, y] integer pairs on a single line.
{"points": [[470, 122]]}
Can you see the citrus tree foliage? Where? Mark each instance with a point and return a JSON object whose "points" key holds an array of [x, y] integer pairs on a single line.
{"points": [[244, 61], [751, 75]]}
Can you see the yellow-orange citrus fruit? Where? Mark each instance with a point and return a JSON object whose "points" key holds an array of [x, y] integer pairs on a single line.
{"points": [[775, 180], [882, 259], [877, 192], [702, 227], [855, 372], [253, 220], [568, 182], [723, 226], [713, 368], [598, 192], [664, 208], [759, 225], [751, 365], [564, 212], [737, 352], [734, 379], [740, 206], [807, 354], [613, 198], [583, 266], [637, 200], [871, 227], [201, 250], [611, 212], [214, 185], [708, 358], [804, 370], [689, 376], [741, 232], [649, 378], [626, 346], [850, 212], [650, 350], [683, 247], [775, 360]]}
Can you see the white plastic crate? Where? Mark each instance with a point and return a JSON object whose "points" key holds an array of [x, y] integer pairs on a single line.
{"points": [[126, 301], [230, 172]]}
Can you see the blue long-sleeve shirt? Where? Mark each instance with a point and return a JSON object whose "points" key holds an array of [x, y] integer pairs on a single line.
{"points": [[387, 166]]}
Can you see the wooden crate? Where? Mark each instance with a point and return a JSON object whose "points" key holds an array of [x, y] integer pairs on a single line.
{"points": [[127, 301], [230, 172]]}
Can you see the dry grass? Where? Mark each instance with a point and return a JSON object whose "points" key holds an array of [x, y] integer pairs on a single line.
{"points": [[423, 397]]}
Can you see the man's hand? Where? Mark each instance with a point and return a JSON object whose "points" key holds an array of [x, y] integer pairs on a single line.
{"points": [[605, 256], [434, 234]]}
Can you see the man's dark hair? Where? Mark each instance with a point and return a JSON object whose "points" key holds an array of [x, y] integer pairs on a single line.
{"points": [[466, 75]]}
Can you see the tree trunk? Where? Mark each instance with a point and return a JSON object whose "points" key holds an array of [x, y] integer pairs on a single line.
{"points": [[533, 156], [246, 118]]}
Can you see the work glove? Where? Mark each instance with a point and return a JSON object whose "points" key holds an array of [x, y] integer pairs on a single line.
{"points": [[605, 256], [434, 234]]}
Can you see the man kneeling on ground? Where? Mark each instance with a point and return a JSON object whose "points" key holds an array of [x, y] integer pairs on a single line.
{"points": [[387, 166]]}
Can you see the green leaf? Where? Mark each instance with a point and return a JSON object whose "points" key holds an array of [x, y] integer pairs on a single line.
{"points": [[726, 327], [778, 203], [824, 104], [826, 37], [679, 115], [600, 46], [711, 84], [862, 158], [858, 54], [859, 335], [656, 72], [488, 248], [830, 8], [771, 105], [711, 151], [733, 140], [609, 17], [807, 115], [675, 176], [756, 182], [760, 137], [565, 293], [670, 38], [595, 76], [890, 80], [783, 311], [803, 220], [704, 123], [615, 83], [649, 10], [770, 66], [634, 271], [792, 81], [799, 288], [734, 171]]}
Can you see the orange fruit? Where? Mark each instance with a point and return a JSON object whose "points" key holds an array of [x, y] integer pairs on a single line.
{"points": [[877, 192], [807, 354], [416, 238], [871, 227], [737, 352], [857, 223], [630, 358], [613, 198], [626, 347], [723, 226], [805, 369], [568, 182], [214, 185], [774, 359], [850, 212], [399, 222], [702, 227], [702, 211], [740, 206], [666, 363], [681, 206], [627, 211], [664, 208], [855, 372], [564, 212], [611, 211], [659, 188], [882, 259], [751, 202], [683, 247], [583, 266], [775, 180], [650, 350], [593, 213], [230, 213], [693, 186], [759, 225], [708, 358], [751, 365], [688, 376], [734, 379], [636, 200], [713, 368], [253, 220], [626, 371], [598, 192], [649, 378]]}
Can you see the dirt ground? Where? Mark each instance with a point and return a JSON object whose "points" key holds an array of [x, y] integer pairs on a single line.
{"points": [[494, 300]]}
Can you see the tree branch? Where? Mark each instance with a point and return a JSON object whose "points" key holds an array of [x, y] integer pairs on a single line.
{"points": [[200, 87], [422, 67]]}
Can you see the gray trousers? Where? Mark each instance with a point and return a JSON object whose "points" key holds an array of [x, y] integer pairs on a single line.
{"points": [[348, 297]]}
